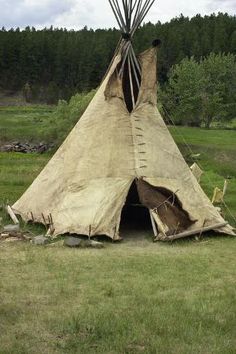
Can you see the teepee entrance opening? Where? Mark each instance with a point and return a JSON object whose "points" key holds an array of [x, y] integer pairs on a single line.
{"points": [[154, 209], [135, 216]]}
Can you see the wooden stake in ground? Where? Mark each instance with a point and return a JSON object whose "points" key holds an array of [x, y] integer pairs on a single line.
{"points": [[12, 214], [190, 233], [153, 224]]}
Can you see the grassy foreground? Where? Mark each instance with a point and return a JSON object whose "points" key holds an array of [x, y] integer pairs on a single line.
{"points": [[133, 297]]}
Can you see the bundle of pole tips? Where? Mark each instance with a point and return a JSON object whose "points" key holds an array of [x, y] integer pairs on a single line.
{"points": [[129, 15]]}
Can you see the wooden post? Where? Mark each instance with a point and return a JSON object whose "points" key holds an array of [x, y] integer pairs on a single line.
{"points": [[225, 187], [90, 230], [134, 70], [12, 214], [44, 220], [153, 224], [131, 83], [191, 232]]}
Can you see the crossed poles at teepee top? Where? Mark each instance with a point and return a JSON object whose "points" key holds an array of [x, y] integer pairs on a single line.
{"points": [[134, 12], [129, 19]]}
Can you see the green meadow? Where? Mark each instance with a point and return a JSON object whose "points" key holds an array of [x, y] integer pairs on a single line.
{"points": [[30, 123], [130, 297]]}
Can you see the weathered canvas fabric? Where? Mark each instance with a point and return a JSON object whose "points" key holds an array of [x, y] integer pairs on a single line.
{"points": [[85, 184]]}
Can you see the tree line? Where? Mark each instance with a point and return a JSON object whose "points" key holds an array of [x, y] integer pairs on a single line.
{"points": [[199, 93], [55, 63]]}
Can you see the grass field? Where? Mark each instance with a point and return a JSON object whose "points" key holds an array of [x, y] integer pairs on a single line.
{"points": [[132, 297], [135, 297], [30, 123]]}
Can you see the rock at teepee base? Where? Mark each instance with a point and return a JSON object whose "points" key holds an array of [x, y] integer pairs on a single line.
{"points": [[95, 244], [75, 242], [40, 240], [11, 228]]}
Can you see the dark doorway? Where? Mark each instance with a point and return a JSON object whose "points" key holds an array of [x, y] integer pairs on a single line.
{"points": [[135, 217]]}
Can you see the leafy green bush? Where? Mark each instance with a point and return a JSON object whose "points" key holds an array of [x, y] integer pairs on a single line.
{"points": [[202, 93], [67, 115]]}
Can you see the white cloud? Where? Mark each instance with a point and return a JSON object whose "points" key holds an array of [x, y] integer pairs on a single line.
{"points": [[97, 13], [87, 13], [164, 10], [222, 6], [21, 13]]}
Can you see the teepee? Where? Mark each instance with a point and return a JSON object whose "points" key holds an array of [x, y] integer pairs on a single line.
{"points": [[120, 141]]}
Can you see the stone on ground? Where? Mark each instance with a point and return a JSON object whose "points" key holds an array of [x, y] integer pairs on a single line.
{"points": [[73, 242], [40, 240], [80, 243], [11, 228], [96, 244]]}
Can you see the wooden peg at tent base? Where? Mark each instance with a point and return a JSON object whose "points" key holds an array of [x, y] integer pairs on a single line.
{"points": [[44, 220], [12, 214], [153, 224], [190, 233]]}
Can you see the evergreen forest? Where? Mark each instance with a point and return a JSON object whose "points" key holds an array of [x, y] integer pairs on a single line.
{"points": [[55, 63]]}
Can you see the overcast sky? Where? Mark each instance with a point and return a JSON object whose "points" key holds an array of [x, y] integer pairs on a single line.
{"points": [[75, 14]]}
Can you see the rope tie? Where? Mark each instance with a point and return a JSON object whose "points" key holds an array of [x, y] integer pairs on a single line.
{"points": [[126, 36]]}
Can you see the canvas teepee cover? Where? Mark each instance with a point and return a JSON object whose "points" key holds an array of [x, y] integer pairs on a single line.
{"points": [[120, 138]]}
